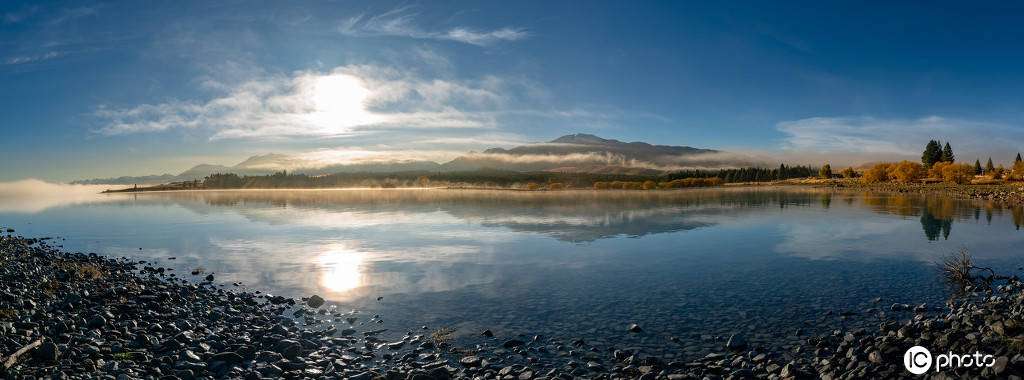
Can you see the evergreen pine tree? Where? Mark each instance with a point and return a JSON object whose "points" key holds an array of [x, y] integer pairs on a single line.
{"points": [[932, 153], [947, 154], [989, 167], [1018, 157], [825, 171], [977, 167]]}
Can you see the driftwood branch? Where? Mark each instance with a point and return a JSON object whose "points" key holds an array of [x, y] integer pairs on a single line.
{"points": [[957, 269], [17, 355]]}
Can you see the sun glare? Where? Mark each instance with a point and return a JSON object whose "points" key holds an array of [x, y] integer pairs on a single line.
{"points": [[340, 269], [339, 103]]}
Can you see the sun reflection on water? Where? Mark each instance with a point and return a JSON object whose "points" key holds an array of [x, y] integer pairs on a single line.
{"points": [[340, 269]]}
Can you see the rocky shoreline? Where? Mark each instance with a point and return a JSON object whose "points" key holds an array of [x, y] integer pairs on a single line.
{"points": [[1002, 194], [70, 315]]}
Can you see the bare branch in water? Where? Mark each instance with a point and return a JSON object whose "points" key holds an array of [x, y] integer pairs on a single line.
{"points": [[957, 270]]}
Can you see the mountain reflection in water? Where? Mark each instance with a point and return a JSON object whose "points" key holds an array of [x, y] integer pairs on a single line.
{"points": [[571, 216], [580, 216]]}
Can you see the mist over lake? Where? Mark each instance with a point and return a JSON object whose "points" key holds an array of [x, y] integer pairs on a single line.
{"points": [[689, 266]]}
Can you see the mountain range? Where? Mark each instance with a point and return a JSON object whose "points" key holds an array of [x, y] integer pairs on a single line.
{"points": [[570, 153]]}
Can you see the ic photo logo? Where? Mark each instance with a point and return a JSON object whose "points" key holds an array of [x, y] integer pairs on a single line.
{"points": [[917, 359]]}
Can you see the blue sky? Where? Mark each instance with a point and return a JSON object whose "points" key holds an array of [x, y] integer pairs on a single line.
{"points": [[132, 88]]}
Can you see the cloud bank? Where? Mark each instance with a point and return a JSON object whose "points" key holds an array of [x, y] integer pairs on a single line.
{"points": [[875, 139], [334, 103]]}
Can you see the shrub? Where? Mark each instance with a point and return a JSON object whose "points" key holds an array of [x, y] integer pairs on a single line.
{"points": [[648, 185], [906, 172], [996, 173], [957, 173], [556, 186], [532, 186], [600, 185], [877, 173], [937, 169], [632, 185]]}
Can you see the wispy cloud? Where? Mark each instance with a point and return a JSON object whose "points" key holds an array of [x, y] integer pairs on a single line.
{"points": [[900, 137], [32, 58], [51, 33], [400, 23], [72, 14], [19, 16]]}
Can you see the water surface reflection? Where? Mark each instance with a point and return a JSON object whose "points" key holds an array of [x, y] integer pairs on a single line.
{"points": [[682, 263]]}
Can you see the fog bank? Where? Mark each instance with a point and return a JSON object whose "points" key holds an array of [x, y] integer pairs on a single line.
{"points": [[33, 195]]}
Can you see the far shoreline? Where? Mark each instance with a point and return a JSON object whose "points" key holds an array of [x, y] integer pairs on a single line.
{"points": [[1007, 194]]}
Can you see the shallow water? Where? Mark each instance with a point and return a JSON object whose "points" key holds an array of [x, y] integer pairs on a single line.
{"points": [[577, 264]]}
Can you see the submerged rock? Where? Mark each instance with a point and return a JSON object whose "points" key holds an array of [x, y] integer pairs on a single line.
{"points": [[315, 301], [736, 343]]}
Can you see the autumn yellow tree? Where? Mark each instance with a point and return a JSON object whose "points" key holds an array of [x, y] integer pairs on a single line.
{"points": [[849, 173], [600, 185], [957, 173], [648, 185], [996, 173], [937, 170], [556, 186], [877, 173], [1017, 173], [906, 172]]}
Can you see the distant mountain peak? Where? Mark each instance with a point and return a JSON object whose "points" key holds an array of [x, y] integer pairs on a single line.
{"points": [[263, 159], [579, 152], [581, 138]]}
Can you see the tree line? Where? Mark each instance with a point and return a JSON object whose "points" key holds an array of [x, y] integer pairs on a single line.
{"points": [[509, 179], [938, 163]]}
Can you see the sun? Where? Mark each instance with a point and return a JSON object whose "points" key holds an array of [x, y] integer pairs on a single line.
{"points": [[339, 103], [339, 93]]}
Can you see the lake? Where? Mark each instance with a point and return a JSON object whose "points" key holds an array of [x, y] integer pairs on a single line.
{"points": [[690, 267]]}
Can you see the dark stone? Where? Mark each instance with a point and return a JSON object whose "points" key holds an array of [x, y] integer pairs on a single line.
{"points": [[470, 361], [315, 301], [289, 349], [512, 343], [48, 351], [792, 372], [227, 357], [96, 321], [736, 343]]}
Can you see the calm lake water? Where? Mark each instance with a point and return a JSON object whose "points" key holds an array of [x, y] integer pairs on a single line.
{"points": [[690, 265]]}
